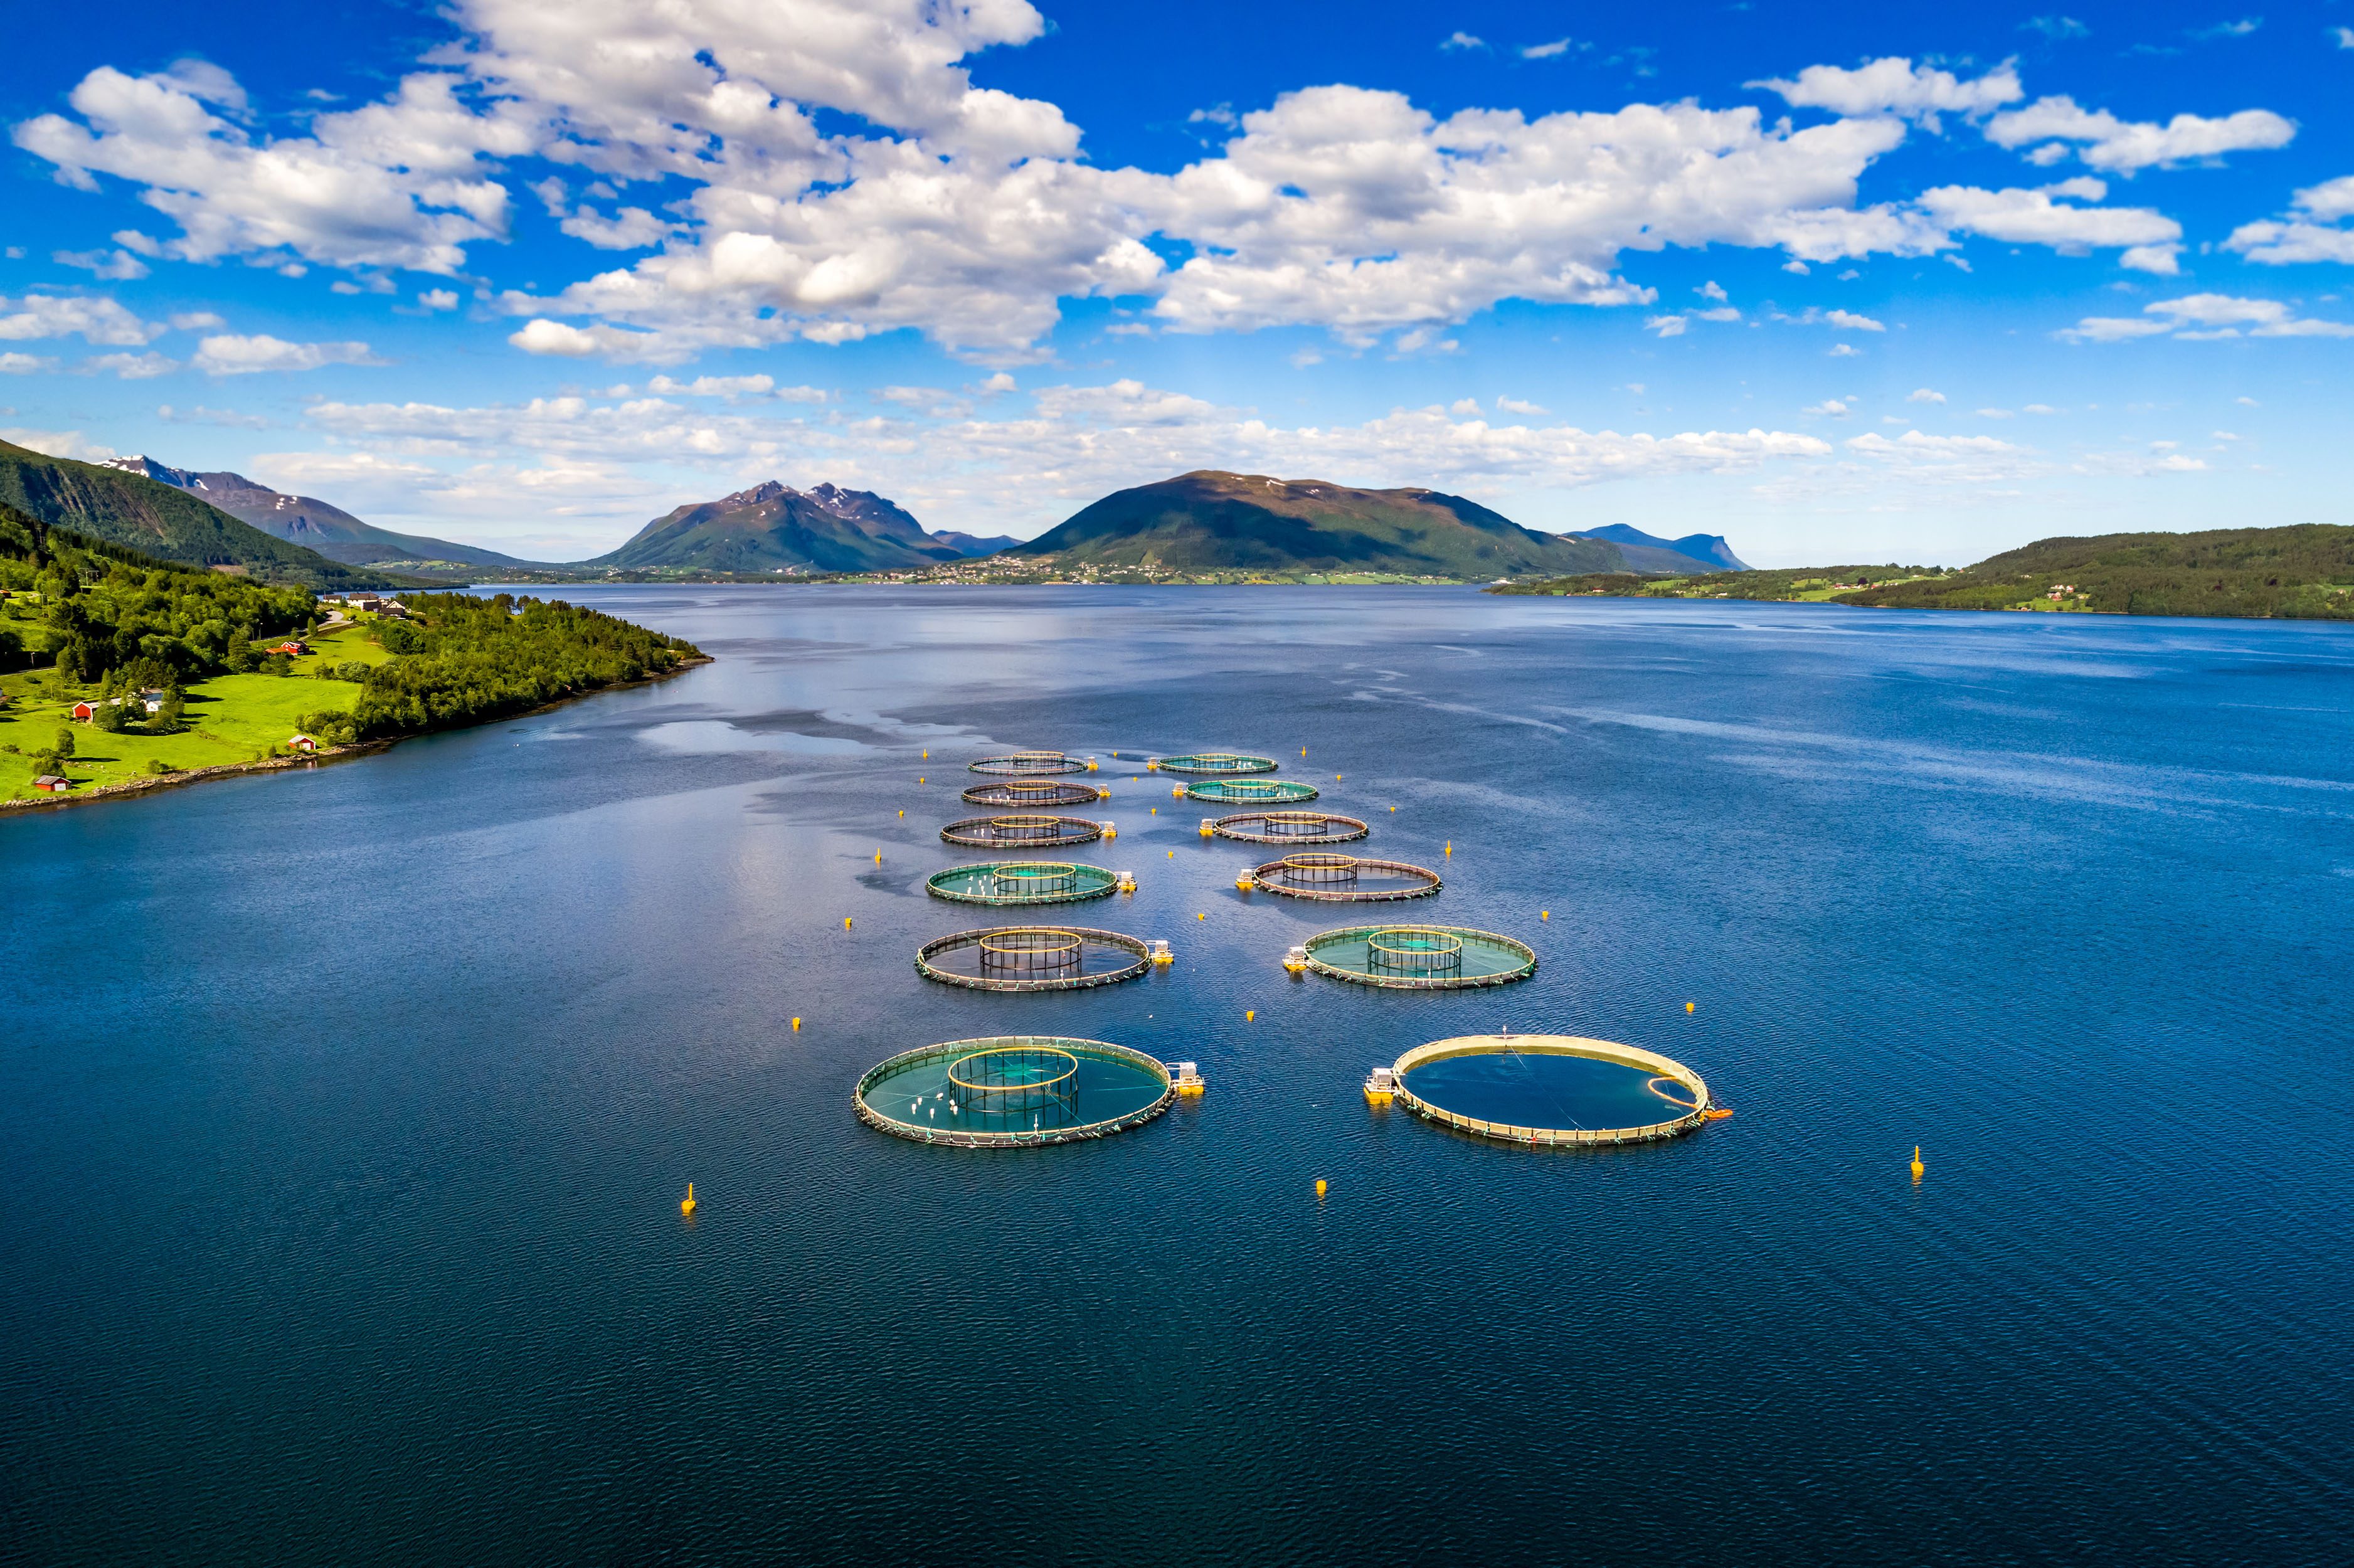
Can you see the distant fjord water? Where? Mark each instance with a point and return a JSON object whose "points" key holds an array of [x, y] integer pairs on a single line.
{"points": [[347, 1111]]}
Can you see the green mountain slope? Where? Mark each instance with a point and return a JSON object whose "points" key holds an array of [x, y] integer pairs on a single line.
{"points": [[307, 521], [772, 526], [2305, 571], [1208, 520], [144, 514]]}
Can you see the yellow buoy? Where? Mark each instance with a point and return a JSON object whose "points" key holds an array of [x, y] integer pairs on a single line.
{"points": [[845, 922], [878, 857], [1916, 1163], [688, 1206], [1319, 1186], [1544, 914], [920, 782], [903, 816], [1303, 751], [1201, 917], [1688, 1006], [1249, 1017]]}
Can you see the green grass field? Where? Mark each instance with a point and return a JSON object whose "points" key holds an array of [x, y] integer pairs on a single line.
{"points": [[229, 718]]}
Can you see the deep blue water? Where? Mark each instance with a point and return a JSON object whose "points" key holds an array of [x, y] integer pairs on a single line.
{"points": [[345, 1112]]}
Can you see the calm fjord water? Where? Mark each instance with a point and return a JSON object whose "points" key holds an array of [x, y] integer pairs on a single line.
{"points": [[347, 1112]]}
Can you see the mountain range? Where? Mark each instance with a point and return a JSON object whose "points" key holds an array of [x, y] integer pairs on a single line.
{"points": [[1206, 521], [1209, 520]]}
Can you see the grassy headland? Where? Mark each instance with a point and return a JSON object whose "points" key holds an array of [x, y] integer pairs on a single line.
{"points": [[85, 622]]}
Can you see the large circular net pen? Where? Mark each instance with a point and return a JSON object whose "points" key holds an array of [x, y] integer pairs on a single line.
{"points": [[1032, 957], [1215, 763], [1344, 878], [1035, 794], [1550, 1089], [1003, 882], [1419, 958], [1290, 828], [1031, 763], [1022, 831], [1250, 791], [1011, 1090]]}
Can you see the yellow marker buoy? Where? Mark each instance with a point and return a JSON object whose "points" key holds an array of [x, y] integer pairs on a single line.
{"points": [[1688, 1006], [1544, 914], [1916, 1163], [1172, 854], [927, 756], [845, 922], [1249, 1017], [797, 1026], [920, 782], [1156, 810], [1319, 1186], [688, 1206], [1201, 917], [903, 816], [878, 857]]}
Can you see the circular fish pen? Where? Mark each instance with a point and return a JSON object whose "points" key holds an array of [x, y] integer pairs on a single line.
{"points": [[1011, 1090], [1003, 881], [1419, 958], [1022, 831], [1251, 792], [1031, 763], [1344, 878], [1032, 957], [1290, 828], [1550, 1089], [1214, 764], [1035, 794]]}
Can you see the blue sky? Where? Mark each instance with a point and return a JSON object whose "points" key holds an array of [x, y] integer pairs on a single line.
{"points": [[1839, 282]]}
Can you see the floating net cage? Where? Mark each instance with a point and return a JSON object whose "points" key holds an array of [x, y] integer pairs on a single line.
{"points": [[1215, 763], [1032, 957], [1011, 1090], [1344, 878], [1028, 763], [1024, 832], [1290, 828], [1419, 958], [1550, 1089], [1250, 791], [1035, 794], [1021, 882]]}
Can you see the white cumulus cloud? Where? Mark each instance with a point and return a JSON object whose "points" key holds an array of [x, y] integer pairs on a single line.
{"points": [[93, 319], [1895, 86], [229, 355], [2312, 232], [2123, 146], [2202, 316]]}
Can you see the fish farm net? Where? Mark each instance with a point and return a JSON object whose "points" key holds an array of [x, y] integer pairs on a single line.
{"points": [[1215, 763], [1420, 957], [1006, 1091], [1344, 879], [1021, 882], [1035, 794], [1028, 763], [1022, 832], [1032, 957], [1550, 1089], [1290, 828], [1250, 791]]}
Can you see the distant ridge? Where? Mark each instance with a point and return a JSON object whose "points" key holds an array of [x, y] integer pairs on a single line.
{"points": [[306, 520], [162, 520], [1210, 520], [1704, 552]]}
